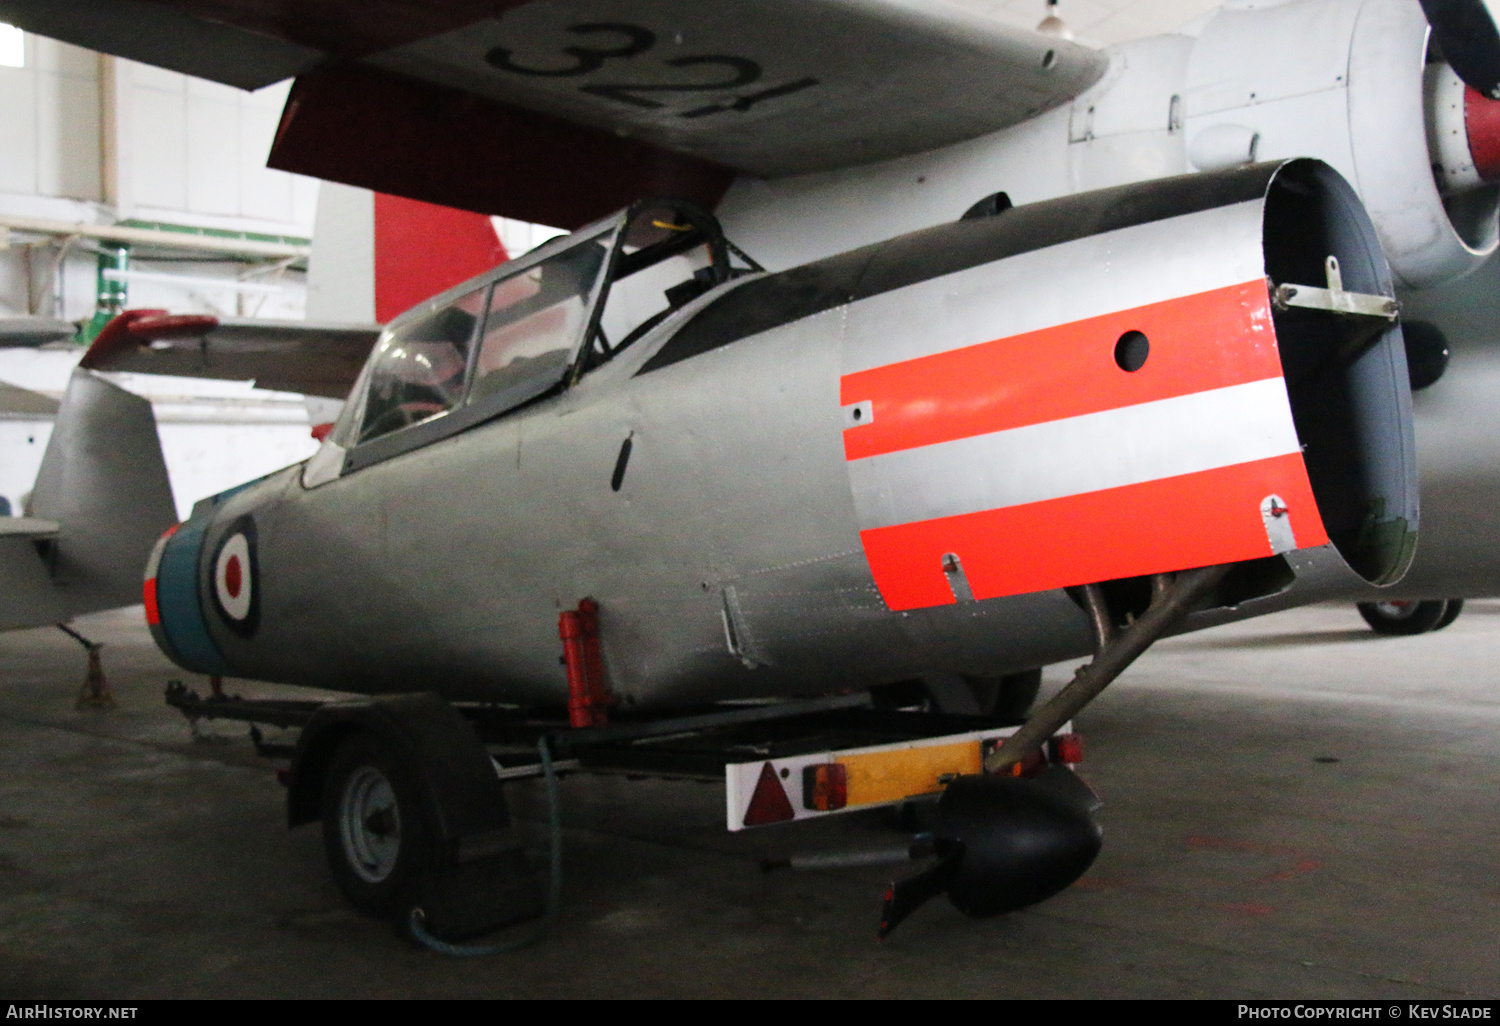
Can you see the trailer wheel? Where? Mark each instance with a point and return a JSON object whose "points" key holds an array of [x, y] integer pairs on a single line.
{"points": [[1405, 618], [1455, 606], [375, 828]]}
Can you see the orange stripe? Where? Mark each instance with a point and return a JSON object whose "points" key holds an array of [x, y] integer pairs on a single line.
{"points": [[1168, 524], [153, 615], [1199, 342]]}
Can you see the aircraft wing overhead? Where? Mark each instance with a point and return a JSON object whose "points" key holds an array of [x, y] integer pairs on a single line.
{"points": [[292, 356], [560, 111], [26, 332], [769, 87]]}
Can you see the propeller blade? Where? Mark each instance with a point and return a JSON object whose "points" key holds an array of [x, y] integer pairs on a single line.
{"points": [[1466, 33]]}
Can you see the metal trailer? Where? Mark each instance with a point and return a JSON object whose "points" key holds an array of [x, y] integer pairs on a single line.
{"points": [[431, 775]]}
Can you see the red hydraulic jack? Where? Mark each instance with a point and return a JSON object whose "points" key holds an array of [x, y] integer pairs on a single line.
{"points": [[588, 698]]}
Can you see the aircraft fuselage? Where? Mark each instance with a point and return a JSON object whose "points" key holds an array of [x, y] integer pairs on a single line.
{"points": [[883, 464]]}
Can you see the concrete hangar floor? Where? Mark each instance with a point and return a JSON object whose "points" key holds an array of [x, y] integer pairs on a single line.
{"points": [[1295, 807]]}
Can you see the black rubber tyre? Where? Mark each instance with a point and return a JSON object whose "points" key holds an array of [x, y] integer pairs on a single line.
{"points": [[1009, 696], [376, 830], [1404, 618], [1455, 606]]}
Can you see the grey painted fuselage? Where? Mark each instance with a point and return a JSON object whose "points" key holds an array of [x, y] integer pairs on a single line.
{"points": [[724, 546], [446, 567]]}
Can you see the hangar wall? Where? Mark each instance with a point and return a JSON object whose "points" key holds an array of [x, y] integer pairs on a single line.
{"points": [[89, 139]]}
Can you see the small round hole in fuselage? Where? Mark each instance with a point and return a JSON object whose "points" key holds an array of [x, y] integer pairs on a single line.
{"points": [[1131, 351]]}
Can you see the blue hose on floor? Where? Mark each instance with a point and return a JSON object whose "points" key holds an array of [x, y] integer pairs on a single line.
{"points": [[554, 886]]}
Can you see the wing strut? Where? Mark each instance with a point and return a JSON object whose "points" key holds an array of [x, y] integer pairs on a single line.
{"points": [[1116, 652]]}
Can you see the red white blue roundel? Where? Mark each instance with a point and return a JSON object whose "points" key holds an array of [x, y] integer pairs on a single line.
{"points": [[234, 578]]}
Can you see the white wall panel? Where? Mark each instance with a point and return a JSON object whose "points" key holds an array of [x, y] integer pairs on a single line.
{"points": [[304, 202], [200, 148], [158, 143], [17, 130], [51, 57], [213, 154], [265, 193], [64, 94], [341, 270], [67, 144]]}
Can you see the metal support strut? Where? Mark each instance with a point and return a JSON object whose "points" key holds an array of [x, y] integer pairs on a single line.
{"points": [[1099, 619], [95, 693], [1168, 606]]}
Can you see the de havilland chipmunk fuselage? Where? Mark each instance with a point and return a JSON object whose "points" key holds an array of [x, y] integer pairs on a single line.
{"points": [[860, 470], [1168, 388]]}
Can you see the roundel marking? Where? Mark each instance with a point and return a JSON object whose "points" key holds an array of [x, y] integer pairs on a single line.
{"points": [[233, 583]]}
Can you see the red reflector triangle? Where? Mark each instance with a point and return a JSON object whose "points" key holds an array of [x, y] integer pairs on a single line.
{"points": [[769, 803]]}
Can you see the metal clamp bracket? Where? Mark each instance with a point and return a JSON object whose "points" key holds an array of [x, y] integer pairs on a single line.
{"points": [[1334, 298]]}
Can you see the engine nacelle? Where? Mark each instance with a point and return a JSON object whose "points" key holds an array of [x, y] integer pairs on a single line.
{"points": [[1354, 83], [1148, 402], [1349, 81]]}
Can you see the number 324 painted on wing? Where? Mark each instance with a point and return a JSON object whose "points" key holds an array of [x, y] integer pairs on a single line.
{"points": [[742, 71]]}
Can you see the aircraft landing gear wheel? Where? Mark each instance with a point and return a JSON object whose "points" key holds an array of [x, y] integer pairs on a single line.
{"points": [[1401, 617], [375, 830], [1455, 606]]}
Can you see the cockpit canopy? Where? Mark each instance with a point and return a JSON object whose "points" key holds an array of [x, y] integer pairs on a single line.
{"points": [[531, 327]]}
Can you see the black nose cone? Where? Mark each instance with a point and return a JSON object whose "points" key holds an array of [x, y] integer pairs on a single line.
{"points": [[1021, 843]]}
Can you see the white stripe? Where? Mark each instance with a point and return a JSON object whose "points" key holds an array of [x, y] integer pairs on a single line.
{"points": [[153, 565], [1101, 274], [1109, 449]]}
